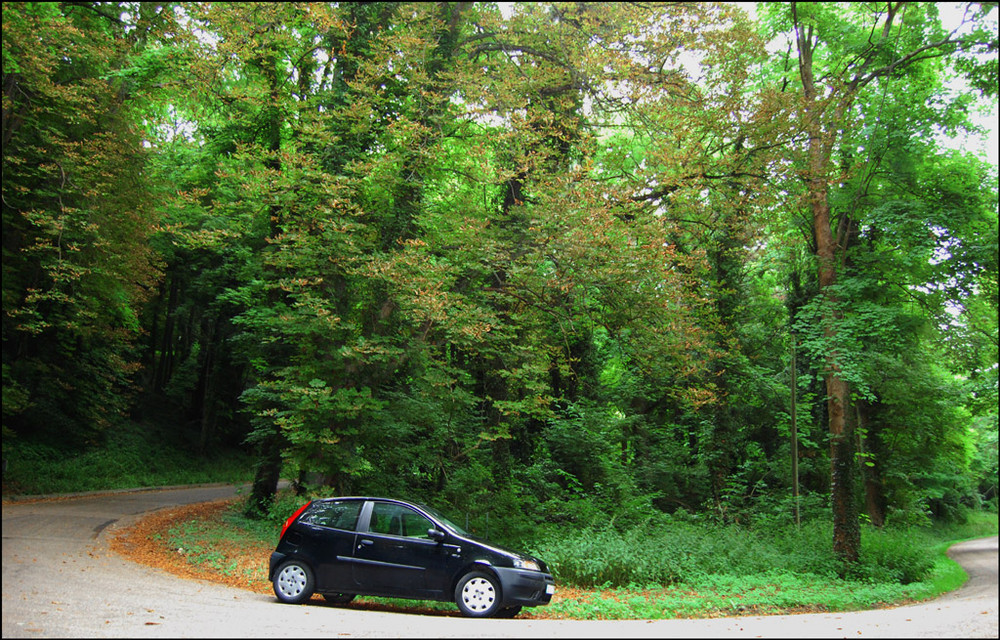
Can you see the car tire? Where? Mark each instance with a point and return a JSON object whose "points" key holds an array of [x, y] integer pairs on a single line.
{"points": [[478, 595], [338, 598], [294, 582]]}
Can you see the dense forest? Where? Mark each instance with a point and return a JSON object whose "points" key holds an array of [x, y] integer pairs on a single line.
{"points": [[563, 262]]}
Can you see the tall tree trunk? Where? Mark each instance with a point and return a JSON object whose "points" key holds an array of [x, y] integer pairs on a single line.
{"points": [[166, 365], [266, 475], [205, 397], [846, 532]]}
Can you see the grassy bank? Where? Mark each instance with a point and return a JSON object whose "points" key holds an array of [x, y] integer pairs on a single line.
{"points": [[222, 545], [129, 458]]}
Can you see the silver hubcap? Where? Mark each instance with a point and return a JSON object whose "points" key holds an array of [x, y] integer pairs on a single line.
{"points": [[478, 594], [291, 581]]}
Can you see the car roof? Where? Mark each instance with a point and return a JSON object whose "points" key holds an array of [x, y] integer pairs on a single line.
{"points": [[409, 503], [374, 498], [364, 498]]}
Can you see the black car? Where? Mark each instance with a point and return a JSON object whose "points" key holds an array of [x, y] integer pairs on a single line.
{"points": [[342, 547]]}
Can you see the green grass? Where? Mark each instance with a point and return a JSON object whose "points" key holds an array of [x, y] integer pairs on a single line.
{"points": [[727, 595], [130, 458], [203, 545]]}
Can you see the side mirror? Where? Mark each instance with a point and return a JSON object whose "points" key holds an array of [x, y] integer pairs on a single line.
{"points": [[436, 534]]}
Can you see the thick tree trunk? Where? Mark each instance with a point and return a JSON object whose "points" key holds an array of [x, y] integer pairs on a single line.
{"points": [[822, 131], [265, 482], [205, 401], [846, 532]]}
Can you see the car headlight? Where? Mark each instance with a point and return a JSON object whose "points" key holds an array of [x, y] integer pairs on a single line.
{"points": [[524, 563]]}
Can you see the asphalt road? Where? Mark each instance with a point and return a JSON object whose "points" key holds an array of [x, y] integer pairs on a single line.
{"points": [[60, 580]]}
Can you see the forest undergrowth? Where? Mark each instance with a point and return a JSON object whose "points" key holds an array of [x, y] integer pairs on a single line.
{"points": [[136, 454]]}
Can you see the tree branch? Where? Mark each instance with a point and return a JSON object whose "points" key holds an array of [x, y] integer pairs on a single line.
{"points": [[90, 5]]}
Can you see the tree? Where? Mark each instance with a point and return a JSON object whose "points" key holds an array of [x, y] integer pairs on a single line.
{"points": [[76, 221], [841, 51]]}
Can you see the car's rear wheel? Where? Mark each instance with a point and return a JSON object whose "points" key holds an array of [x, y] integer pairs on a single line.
{"points": [[294, 582], [478, 595], [338, 598]]}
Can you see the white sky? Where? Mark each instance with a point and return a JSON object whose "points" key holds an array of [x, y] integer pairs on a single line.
{"points": [[951, 17]]}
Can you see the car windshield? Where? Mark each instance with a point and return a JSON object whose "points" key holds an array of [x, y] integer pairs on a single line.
{"points": [[445, 520]]}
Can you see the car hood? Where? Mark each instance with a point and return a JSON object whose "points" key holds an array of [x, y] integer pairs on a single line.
{"points": [[501, 550]]}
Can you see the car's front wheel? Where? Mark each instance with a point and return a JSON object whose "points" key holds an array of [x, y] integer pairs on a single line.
{"points": [[294, 582], [478, 595]]}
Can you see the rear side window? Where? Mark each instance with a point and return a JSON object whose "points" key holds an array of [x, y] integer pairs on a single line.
{"points": [[337, 514]]}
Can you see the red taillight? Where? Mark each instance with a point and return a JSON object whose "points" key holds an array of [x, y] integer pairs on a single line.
{"points": [[290, 520]]}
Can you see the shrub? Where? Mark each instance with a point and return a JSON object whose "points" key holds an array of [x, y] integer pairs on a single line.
{"points": [[894, 555], [667, 551], [661, 552]]}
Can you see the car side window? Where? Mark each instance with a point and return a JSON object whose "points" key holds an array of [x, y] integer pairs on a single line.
{"points": [[335, 514], [397, 520]]}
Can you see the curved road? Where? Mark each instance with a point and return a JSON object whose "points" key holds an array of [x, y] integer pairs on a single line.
{"points": [[60, 580]]}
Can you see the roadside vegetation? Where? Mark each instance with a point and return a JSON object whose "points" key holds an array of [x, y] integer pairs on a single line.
{"points": [[668, 568], [134, 455]]}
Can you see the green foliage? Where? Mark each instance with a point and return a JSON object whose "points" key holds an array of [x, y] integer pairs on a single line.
{"points": [[672, 551], [894, 555], [285, 504], [669, 552], [135, 455], [534, 265], [76, 222]]}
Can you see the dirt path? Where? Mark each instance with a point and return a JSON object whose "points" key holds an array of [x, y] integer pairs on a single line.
{"points": [[61, 580]]}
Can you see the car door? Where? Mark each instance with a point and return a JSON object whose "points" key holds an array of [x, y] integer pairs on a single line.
{"points": [[328, 528], [396, 555]]}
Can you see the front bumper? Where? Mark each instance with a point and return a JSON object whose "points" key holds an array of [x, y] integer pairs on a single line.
{"points": [[525, 588]]}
